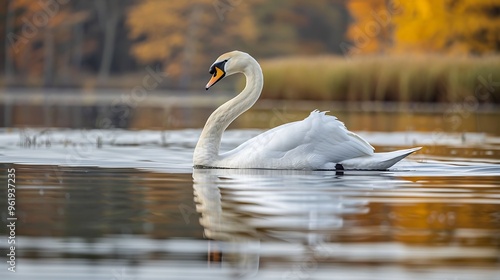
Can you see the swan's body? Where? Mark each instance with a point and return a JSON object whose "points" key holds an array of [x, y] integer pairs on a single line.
{"points": [[319, 141]]}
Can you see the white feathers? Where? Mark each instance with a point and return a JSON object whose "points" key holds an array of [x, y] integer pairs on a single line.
{"points": [[320, 141], [313, 143]]}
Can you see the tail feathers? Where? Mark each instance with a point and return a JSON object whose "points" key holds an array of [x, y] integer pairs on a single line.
{"points": [[377, 161]]}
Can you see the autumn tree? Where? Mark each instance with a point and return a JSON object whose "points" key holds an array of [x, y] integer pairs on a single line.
{"points": [[109, 13], [35, 32], [442, 25], [371, 28], [295, 27], [458, 26], [186, 36]]}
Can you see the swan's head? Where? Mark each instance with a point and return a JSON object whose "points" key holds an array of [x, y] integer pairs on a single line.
{"points": [[228, 64]]}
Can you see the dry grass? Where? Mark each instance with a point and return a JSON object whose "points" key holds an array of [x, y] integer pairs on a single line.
{"points": [[415, 79]]}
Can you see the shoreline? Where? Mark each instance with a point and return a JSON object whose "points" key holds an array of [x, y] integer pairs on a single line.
{"points": [[200, 99]]}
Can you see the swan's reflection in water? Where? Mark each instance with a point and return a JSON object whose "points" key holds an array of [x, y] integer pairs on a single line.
{"points": [[243, 207]]}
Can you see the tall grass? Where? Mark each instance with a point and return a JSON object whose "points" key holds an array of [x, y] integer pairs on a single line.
{"points": [[379, 78]]}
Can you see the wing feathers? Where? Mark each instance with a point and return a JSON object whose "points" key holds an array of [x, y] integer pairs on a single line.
{"points": [[306, 144]]}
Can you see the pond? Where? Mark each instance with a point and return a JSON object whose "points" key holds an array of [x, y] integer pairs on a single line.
{"points": [[126, 204]]}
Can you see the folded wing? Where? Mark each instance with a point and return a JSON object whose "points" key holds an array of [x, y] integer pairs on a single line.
{"points": [[313, 143]]}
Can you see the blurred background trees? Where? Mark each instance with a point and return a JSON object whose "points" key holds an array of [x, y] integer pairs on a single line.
{"points": [[180, 34], [459, 26], [104, 42]]}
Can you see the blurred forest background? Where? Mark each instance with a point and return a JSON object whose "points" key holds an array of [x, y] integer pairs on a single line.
{"points": [[388, 50]]}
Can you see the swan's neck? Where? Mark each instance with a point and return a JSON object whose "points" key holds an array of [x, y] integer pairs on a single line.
{"points": [[206, 152]]}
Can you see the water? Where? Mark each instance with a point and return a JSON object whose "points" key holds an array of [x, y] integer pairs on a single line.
{"points": [[123, 204]]}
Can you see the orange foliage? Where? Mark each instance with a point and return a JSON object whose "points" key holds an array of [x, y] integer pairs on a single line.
{"points": [[180, 33], [460, 26], [371, 30]]}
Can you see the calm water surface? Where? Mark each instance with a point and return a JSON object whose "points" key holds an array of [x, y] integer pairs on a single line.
{"points": [[125, 204]]}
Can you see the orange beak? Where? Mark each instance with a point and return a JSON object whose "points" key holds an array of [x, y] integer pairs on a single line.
{"points": [[217, 76]]}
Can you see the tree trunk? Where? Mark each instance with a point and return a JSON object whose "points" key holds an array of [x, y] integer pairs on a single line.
{"points": [[77, 56], [9, 28], [48, 63], [190, 48], [110, 14]]}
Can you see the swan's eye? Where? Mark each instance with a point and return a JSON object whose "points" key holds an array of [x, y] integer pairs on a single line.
{"points": [[218, 64]]}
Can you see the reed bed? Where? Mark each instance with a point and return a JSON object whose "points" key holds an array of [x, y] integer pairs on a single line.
{"points": [[384, 78]]}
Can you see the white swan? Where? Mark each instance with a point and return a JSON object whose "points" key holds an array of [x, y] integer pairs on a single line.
{"points": [[319, 141]]}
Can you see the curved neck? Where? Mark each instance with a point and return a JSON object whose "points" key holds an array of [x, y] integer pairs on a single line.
{"points": [[207, 149]]}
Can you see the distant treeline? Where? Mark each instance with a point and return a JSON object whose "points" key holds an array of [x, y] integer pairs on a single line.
{"points": [[114, 43]]}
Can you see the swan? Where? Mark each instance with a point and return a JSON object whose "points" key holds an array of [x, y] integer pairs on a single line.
{"points": [[318, 142]]}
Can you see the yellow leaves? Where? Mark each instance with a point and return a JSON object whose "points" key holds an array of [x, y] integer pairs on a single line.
{"points": [[422, 26], [424, 9], [447, 26], [370, 31], [467, 26]]}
